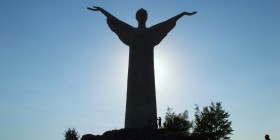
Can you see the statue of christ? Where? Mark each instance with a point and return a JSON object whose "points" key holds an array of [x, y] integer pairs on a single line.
{"points": [[141, 109]]}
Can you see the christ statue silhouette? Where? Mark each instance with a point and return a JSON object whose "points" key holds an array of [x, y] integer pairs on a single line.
{"points": [[141, 109]]}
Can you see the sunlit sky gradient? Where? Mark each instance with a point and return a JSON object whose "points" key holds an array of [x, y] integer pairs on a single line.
{"points": [[61, 66]]}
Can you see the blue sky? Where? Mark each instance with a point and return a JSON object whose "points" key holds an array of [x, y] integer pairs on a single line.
{"points": [[61, 66]]}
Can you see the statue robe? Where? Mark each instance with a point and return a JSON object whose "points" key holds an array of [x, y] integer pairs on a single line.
{"points": [[141, 109]]}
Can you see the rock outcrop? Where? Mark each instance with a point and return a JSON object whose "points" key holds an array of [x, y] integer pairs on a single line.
{"points": [[140, 134]]}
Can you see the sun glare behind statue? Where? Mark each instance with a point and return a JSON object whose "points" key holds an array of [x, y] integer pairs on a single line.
{"points": [[173, 73], [162, 70], [164, 61]]}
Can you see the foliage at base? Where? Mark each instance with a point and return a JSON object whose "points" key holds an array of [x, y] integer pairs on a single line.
{"points": [[212, 122], [71, 134], [177, 123]]}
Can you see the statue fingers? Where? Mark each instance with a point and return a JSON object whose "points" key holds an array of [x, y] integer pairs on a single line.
{"points": [[93, 9]]}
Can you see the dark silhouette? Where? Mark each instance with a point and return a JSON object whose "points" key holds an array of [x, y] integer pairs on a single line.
{"points": [[267, 137], [177, 123], [71, 134], [89, 137], [141, 94], [212, 121], [140, 134], [159, 122]]}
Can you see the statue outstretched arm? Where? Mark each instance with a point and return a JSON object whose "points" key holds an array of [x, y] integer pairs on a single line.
{"points": [[104, 12], [122, 29], [175, 18], [162, 29]]}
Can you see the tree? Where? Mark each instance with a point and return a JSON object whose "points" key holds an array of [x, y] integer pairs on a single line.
{"points": [[71, 134], [212, 122], [177, 123]]}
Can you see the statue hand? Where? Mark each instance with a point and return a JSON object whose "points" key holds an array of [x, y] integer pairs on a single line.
{"points": [[190, 14], [95, 8]]}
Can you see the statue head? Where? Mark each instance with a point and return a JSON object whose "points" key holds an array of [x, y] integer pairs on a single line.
{"points": [[141, 16], [267, 137]]}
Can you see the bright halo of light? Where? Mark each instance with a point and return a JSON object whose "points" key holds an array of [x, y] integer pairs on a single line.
{"points": [[164, 73], [163, 67], [170, 71], [161, 70]]}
